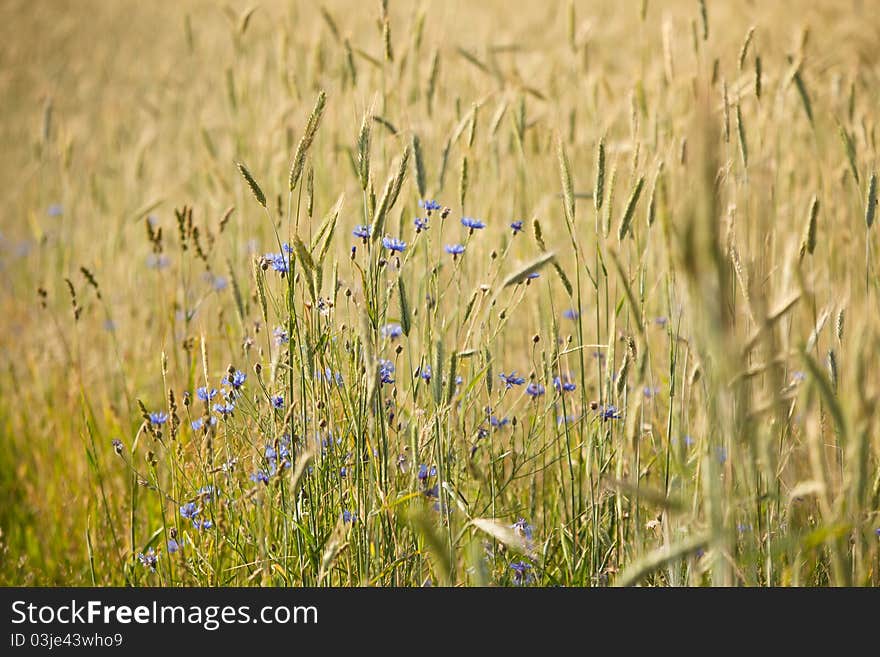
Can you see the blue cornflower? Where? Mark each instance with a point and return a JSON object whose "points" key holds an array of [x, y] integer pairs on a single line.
{"points": [[426, 372], [207, 493], [425, 472], [199, 423], [458, 380], [661, 321], [278, 261], [236, 379], [610, 412], [330, 377], [393, 244], [571, 313], [798, 376], [533, 276], [455, 250], [498, 424], [173, 546], [158, 418], [348, 516], [522, 528], [392, 331], [877, 531], [189, 510], [429, 206], [650, 391], [535, 390], [688, 441], [281, 336], [206, 395], [362, 232], [386, 371], [224, 409], [278, 402], [117, 445], [473, 224], [516, 226], [260, 477], [149, 560], [563, 385], [421, 224], [521, 572], [511, 379], [202, 524], [55, 210], [219, 283]]}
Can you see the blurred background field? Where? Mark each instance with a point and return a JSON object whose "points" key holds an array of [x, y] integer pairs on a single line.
{"points": [[712, 302]]}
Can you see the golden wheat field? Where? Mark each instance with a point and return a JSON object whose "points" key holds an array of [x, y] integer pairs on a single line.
{"points": [[439, 293]]}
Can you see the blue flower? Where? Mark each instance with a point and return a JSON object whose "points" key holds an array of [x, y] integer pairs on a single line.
{"points": [[521, 572], [393, 244], [278, 402], [158, 418], [522, 528], [362, 232], [571, 313], [173, 546], [236, 379], [55, 210], [798, 376], [688, 441], [199, 424], [532, 276], [224, 410], [260, 477], [206, 395], [535, 390], [386, 370], [455, 249], [207, 493], [610, 412], [563, 385], [650, 392], [117, 445], [392, 331], [426, 372], [330, 377], [498, 424], [421, 224], [149, 560], [425, 472], [348, 516], [429, 206], [516, 226], [189, 510], [281, 336], [219, 283], [278, 261], [473, 224], [202, 524], [661, 321], [511, 380]]}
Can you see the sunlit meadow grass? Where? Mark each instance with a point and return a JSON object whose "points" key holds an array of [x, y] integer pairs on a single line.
{"points": [[444, 293]]}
